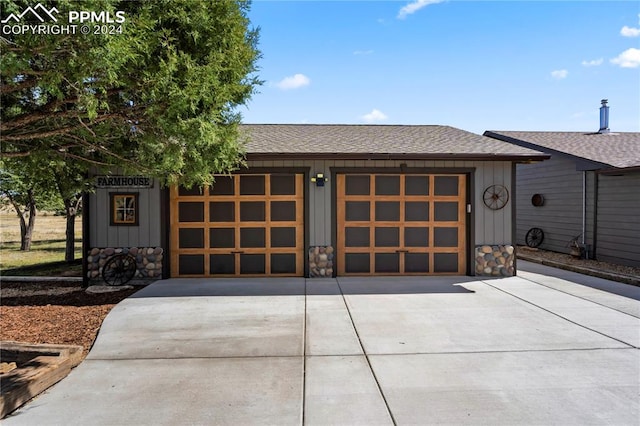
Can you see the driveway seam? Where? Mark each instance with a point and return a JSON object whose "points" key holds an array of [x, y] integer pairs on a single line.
{"points": [[579, 297], [366, 356], [560, 316], [628, 348], [304, 355]]}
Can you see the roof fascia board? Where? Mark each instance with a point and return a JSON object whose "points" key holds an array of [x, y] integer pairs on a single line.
{"points": [[381, 156]]}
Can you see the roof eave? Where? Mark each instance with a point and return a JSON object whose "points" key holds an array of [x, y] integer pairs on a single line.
{"points": [[531, 145], [253, 156], [619, 170]]}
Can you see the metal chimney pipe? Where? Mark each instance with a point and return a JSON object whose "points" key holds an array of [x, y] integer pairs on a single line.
{"points": [[604, 117]]}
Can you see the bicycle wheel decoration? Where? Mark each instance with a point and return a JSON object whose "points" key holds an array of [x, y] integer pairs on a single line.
{"points": [[534, 237], [119, 269], [496, 197]]}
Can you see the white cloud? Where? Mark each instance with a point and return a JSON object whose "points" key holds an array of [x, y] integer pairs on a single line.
{"points": [[559, 74], [415, 6], [374, 116], [593, 63], [293, 82], [630, 32], [630, 58], [363, 52]]}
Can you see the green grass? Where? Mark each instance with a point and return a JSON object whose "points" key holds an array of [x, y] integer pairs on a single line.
{"points": [[47, 247]]}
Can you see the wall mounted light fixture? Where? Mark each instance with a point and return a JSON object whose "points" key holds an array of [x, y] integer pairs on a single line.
{"points": [[319, 179]]}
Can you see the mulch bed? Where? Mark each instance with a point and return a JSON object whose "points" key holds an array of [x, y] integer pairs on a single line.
{"points": [[57, 313]]}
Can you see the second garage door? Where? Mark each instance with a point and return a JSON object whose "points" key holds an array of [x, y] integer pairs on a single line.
{"points": [[405, 224]]}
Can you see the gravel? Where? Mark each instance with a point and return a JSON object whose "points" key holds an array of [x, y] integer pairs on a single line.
{"points": [[584, 263]]}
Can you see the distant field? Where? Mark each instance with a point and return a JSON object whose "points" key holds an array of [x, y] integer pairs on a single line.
{"points": [[47, 244]]}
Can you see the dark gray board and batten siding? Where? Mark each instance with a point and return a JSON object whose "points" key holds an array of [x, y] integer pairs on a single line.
{"points": [[146, 234], [618, 225], [560, 218]]}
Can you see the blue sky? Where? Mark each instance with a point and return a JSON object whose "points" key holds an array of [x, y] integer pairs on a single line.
{"points": [[475, 65]]}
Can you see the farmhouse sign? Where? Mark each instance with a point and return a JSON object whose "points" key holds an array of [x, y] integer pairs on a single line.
{"points": [[124, 182]]}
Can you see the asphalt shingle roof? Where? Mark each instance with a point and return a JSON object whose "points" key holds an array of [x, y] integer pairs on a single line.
{"points": [[619, 150], [376, 140]]}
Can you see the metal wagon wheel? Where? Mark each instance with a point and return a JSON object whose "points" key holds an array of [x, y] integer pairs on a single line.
{"points": [[534, 237], [119, 269], [496, 197]]}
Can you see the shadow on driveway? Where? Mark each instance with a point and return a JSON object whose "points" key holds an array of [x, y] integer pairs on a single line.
{"points": [[190, 287]]}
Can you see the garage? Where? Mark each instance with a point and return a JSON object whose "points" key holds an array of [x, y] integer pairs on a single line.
{"points": [[401, 224], [242, 225], [321, 201]]}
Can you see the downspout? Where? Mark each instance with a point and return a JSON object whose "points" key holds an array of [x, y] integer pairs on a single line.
{"points": [[584, 209]]}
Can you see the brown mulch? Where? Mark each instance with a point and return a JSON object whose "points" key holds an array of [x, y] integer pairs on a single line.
{"points": [[57, 313]]}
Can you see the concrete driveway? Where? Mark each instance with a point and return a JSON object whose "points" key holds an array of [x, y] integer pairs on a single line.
{"points": [[532, 349]]}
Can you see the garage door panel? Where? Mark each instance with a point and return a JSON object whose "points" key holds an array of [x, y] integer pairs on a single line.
{"points": [[387, 211], [416, 263], [224, 185], [191, 264], [416, 211], [358, 185], [387, 236], [387, 185], [283, 263], [193, 191], [252, 185], [445, 237], [191, 238], [446, 185], [222, 237], [357, 237], [401, 224], [416, 236], [283, 185], [445, 262], [387, 263], [445, 211], [283, 211], [222, 264], [357, 263], [358, 211], [221, 211], [243, 225], [416, 185]]}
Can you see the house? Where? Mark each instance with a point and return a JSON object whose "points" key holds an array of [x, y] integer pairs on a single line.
{"points": [[589, 192], [322, 201]]}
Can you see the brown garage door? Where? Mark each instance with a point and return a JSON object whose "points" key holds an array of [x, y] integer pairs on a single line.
{"points": [[410, 224], [244, 225]]}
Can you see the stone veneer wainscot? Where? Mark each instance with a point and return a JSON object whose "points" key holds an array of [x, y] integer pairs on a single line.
{"points": [[148, 261], [321, 261], [495, 261]]}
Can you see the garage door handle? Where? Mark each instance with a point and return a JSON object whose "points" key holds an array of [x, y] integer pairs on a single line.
{"points": [[402, 251]]}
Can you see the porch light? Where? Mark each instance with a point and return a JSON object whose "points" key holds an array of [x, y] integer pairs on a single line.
{"points": [[319, 179]]}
